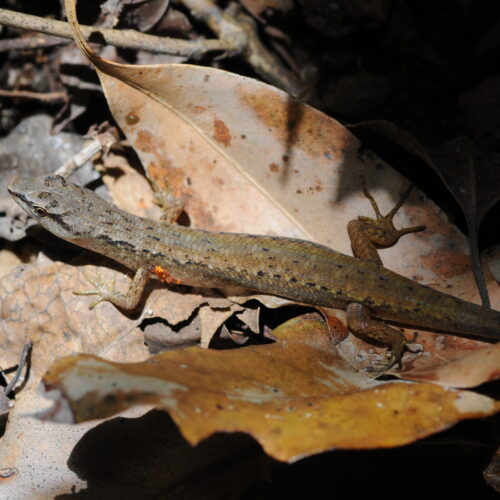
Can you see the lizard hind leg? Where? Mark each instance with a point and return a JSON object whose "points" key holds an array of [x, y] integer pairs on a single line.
{"points": [[363, 326]]}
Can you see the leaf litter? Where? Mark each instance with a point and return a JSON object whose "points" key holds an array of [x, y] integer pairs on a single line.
{"points": [[261, 195]]}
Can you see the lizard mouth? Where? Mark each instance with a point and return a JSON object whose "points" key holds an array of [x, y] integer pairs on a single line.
{"points": [[21, 199], [17, 195], [13, 193], [12, 189]]}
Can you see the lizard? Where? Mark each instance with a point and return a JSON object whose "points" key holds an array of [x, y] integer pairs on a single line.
{"points": [[303, 271]]}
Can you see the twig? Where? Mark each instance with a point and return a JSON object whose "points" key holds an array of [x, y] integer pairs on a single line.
{"points": [[231, 25], [28, 94], [24, 356], [102, 142], [119, 38], [31, 42], [238, 35], [265, 63]]}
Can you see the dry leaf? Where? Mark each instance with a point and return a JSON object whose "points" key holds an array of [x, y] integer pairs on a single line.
{"points": [[298, 386], [38, 305], [247, 157]]}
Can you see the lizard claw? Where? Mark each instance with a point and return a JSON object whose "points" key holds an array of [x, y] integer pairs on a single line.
{"points": [[394, 355], [104, 290], [392, 359]]}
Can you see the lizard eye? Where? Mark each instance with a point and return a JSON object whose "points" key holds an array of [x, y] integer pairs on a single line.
{"points": [[39, 211]]}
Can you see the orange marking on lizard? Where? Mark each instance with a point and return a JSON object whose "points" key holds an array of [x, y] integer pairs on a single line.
{"points": [[165, 276]]}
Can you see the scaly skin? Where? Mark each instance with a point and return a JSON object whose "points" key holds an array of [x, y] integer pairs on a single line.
{"points": [[299, 270]]}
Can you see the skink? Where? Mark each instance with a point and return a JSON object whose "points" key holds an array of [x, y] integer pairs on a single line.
{"points": [[300, 270]]}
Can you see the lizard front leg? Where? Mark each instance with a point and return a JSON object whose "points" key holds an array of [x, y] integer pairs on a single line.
{"points": [[171, 207], [366, 235], [127, 301]]}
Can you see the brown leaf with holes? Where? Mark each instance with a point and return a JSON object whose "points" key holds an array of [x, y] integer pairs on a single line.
{"points": [[296, 396]]}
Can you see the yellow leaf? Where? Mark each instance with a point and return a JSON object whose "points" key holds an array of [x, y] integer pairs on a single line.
{"points": [[296, 396]]}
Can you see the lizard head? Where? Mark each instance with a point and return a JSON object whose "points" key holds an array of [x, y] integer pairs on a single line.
{"points": [[62, 208]]}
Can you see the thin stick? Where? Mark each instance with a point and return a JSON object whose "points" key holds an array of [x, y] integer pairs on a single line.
{"points": [[32, 42], [28, 94], [102, 142], [119, 38], [20, 368], [237, 36]]}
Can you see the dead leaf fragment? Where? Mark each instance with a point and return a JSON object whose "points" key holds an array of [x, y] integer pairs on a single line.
{"points": [[296, 396], [38, 305], [474, 367]]}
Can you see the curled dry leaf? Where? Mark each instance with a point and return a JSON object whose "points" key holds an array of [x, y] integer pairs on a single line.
{"points": [[298, 386]]}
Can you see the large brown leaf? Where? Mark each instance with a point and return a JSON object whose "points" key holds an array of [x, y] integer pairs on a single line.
{"points": [[243, 155]]}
